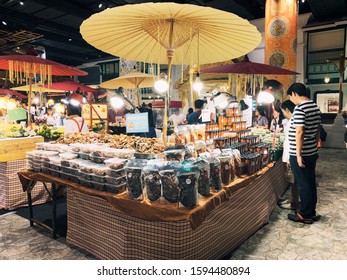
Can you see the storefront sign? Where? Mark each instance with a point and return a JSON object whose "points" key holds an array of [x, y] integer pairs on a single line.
{"points": [[137, 123]]}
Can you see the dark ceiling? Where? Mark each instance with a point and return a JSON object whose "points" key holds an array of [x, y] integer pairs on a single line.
{"points": [[54, 25]]}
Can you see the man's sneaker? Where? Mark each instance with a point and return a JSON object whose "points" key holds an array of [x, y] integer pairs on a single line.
{"points": [[299, 219], [316, 218]]}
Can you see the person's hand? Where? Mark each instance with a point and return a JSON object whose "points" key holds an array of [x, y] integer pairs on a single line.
{"points": [[300, 162]]}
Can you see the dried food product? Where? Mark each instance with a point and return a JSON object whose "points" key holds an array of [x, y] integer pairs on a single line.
{"points": [[67, 156], [55, 163], [97, 159], [76, 147], [200, 130], [188, 183], [65, 149], [204, 178], [54, 172], [215, 174], [115, 173], [85, 176], [76, 163], [85, 183], [189, 151], [170, 185], [225, 169], [175, 155], [99, 169], [133, 170], [45, 170], [75, 179], [237, 162], [69, 170], [98, 186], [97, 178], [83, 156], [200, 147], [115, 188], [116, 181], [151, 182], [46, 164], [87, 167], [115, 163], [40, 145]]}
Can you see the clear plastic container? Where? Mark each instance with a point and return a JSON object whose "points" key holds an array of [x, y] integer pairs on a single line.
{"points": [[189, 151], [97, 178], [76, 163], [124, 153], [115, 188], [204, 178], [215, 174], [225, 169], [175, 155], [115, 173], [85, 176], [76, 147], [98, 186], [66, 157], [40, 145], [116, 181], [97, 159], [85, 183], [188, 183], [115, 163], [55, 163], [151, 182], [69, 170], [54, 172], [99, 169], [133, 170], [170, 184]]}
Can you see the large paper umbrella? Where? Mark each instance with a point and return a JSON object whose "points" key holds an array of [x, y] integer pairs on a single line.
{"points": [[170, 33], [5, 91], [248, 67], [70, 86], [36, 88], [28, 66], [132, 80]]}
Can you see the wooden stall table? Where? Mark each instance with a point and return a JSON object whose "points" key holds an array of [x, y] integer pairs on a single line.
{"points": [[13, 159], [115, 227]]}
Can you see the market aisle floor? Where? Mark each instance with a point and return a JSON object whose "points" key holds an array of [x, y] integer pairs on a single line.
{"points": [[279, 239]]}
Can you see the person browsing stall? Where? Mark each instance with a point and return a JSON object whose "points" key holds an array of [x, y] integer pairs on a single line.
{"points": [[260, 119], [74, 121], [195, 117], [303, 138]]}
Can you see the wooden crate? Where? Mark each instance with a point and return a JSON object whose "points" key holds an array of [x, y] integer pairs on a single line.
{"points": [[16, 148]]}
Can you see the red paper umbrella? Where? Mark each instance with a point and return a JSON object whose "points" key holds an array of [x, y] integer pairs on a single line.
{"points": [[28, 66], [4, 91], [249, 68], [36, 65], [71, 86]]}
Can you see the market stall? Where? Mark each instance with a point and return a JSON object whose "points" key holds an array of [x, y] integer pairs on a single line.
{"points": [[116, 227], [13, 159]]}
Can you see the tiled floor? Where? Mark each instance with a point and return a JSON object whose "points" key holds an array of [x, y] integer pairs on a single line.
{"points": [[279, 239]]}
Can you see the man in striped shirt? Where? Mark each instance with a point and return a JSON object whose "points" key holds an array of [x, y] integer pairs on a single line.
{"points": [[303, 136]]}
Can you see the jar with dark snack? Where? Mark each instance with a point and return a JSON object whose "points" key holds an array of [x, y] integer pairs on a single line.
{"points": [[204, 178], [225, 169], [237, 162], [115, 188], [215, 174], [175, 155], [169, 181], [189, 151], [188, 183], [133, 170], [151, 182]]}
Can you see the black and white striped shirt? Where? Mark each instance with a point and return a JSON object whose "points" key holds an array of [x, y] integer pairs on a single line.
{"points": [[305, 114]]}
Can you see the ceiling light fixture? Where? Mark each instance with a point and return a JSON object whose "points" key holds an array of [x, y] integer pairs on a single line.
{"points": [[70, 39], [21, 3], [326, 79], [4, 22], [161, 85], [100, 5], [265, 97]]}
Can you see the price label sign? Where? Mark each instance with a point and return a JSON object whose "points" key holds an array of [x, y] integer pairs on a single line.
{"points": [[205, 115], [137, 123]]}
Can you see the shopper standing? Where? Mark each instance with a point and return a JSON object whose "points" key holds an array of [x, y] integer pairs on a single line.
{"points": [[303, 138], [260, 119], [293, 202]]}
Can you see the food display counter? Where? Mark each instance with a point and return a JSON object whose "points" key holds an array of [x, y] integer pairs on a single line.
{"points": [[13, 159], [113, 226]]}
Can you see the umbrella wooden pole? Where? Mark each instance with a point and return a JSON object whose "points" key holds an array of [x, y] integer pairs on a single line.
{"points": [[29, 101], [167, 101]]}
